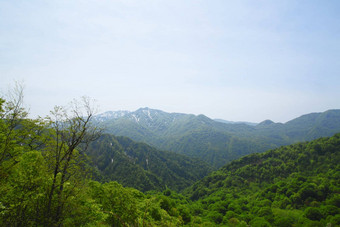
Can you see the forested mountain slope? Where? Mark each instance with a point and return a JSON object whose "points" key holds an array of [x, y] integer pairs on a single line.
{"points": [[291, 185], [143, 167], [212, 141]]}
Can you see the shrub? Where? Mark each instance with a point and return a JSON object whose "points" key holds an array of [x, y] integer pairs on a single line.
{"points": [[259, 222], [215, 217], [284, 221], [313, 213]]}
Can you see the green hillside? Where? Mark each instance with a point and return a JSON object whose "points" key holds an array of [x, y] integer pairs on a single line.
{"points": [[143, 167], [296, 185]]}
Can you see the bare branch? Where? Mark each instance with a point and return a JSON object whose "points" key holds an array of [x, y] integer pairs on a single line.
{"points": [[72, 127]]}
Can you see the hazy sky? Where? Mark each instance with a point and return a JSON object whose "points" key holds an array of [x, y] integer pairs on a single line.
{"points": [[235, 60]]}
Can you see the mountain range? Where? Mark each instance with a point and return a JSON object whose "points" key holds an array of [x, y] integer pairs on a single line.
{"points": [[211, 140]]}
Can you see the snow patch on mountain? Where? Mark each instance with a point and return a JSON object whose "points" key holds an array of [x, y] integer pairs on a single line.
{"points": [[149, 115], [135, 118], [111, 115]]}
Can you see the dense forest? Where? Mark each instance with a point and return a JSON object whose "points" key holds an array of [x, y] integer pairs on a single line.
{"points": [[296, 185], [50, 175], [141, 166]]}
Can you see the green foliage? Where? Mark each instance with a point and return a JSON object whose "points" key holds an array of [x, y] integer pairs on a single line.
{"points": [[143, 167], [282, 221], [23, 193], [117, 202], [313, 213], [259, 222], [215, 217]]}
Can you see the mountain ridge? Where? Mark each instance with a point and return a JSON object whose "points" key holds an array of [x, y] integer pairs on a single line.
{"points": [[201, 137]]}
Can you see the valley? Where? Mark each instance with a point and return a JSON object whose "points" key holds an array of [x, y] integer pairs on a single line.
{"points": [[138, 165]]}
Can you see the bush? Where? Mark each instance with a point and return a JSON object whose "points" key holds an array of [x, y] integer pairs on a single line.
{"points": [[215, 217], [166, 204], [155, 214], [335, 220], [230, 214], [265, 211], [233, 221], [329, 210], [284, 221], [313, 213], [335, 201], [310, 223], [186, 217], [259, 222]]}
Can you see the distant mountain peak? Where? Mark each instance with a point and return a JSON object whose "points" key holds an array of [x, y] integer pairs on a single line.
{"points": [[143, 109], [236, 122], [266, 122]]}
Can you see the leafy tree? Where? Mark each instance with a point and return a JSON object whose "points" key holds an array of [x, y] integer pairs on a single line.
{"points": [[215, 216], [25, 190], [117, 202], [260, 222], [284, 221], [70, 128], [17, 132], [22, 169]]}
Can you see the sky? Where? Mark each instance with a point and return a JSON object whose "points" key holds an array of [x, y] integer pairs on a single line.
{"points": [[233, 60]]}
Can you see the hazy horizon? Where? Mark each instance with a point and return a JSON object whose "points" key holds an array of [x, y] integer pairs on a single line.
{"points": [[232, 60]]}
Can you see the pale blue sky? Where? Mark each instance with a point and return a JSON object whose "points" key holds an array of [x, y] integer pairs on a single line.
{"points": [[235, 60]]}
